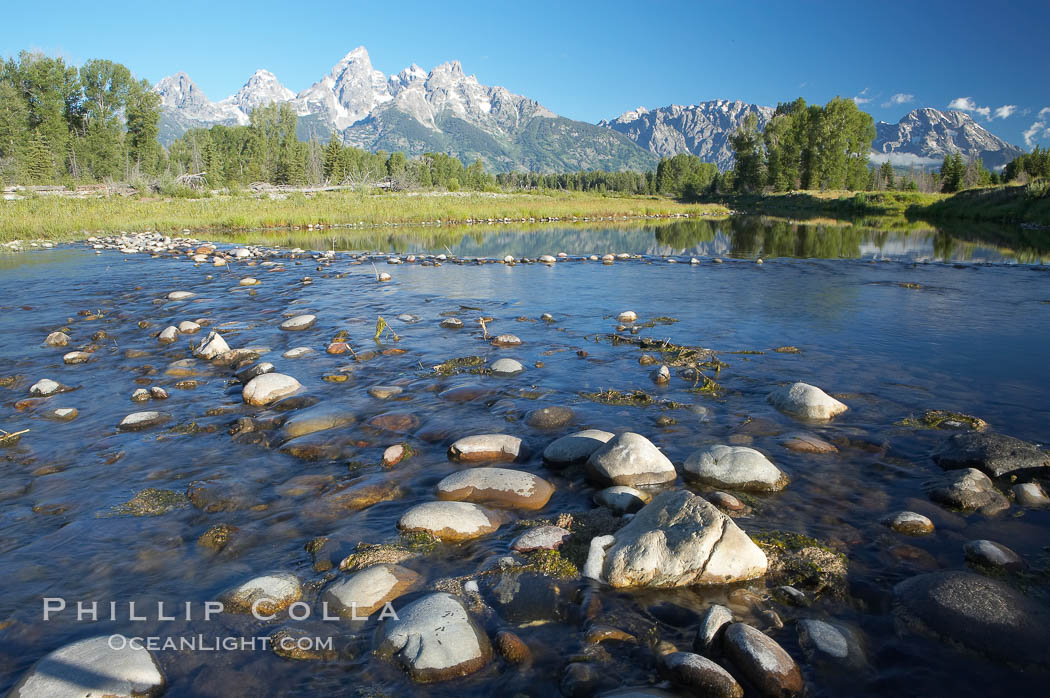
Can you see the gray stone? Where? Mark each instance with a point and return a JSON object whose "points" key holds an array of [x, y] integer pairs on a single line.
{"points": [[991, 554], [93, 668], [168, 335], [57, 339], [1030, 494], [969, 490], [506, 340], [994, 454], [45, 387], [823, 641], [212, 346], [189, 327], [736, 467], [540, 538], [452, 323], [712, 624], [314, 419], [298, 323], [180, 295], [553, 417], [264, 595], [630, 459], [142, 420], [385, 392], [575, 448], [434, 639], [297, 352], [764, 662], [980, 613], [806, 401], [680, 539]]}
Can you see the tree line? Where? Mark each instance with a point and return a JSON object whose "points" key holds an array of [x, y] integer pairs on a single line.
{"points": [[91, 123]]}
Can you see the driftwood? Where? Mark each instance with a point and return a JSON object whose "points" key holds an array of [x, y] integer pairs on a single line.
{"points": [[193, 181]]}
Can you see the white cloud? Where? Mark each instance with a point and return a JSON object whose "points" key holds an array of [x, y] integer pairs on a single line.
{"points": [[1038, 130], [967, 104], [898, 99], [863, 97], [904, 159], [1005, 111]]}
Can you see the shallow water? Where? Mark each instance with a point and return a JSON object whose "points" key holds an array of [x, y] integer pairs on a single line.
{"points": [[971, 338]]}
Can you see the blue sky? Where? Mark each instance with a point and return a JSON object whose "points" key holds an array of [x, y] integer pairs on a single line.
{"points": [[596, 60]]}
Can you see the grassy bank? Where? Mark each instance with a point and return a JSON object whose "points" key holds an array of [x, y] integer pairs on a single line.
{"points": [[1005, 204], [1013, 204], [68, 218], [820, 204]]}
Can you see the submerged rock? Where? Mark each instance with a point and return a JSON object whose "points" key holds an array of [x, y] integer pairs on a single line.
{"points": [[93, 667], [969, 490], [994, 454], [142, 420], [807, 443], [909, 523], [736, 467], [553, 417], [451, 521], [991, 554], [806, 401], [679, 539], [434, 639], [982, 614], [266, 595], [314, 419], [630, 459]]}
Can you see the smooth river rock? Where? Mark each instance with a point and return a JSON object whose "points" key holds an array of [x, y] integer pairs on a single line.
{"points": [[506, 367], [142, 420], [806, 401], [712, 625], [434, 639], [365, 592], [487, 448], [266, 594], [764, 662], [497, 487], [909, 523], [676, 540], [269, 387], [553, 417], [45, 387], [622, 499], [700, 675], [991, 554], [299, 322], [540, 538], [451, 521], [57, 339], [981, 613], [994, 454], [76, 357], [575, 448], [970, 490], [92, 668], [630, 459], [735, 467], [314, 419]]}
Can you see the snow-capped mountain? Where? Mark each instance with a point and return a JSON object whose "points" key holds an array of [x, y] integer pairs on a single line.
{"points": [[925, 136], [444, 110], [701, 129]]}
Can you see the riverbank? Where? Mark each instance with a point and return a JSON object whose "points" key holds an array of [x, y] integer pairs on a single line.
{"points": [[1011, 204], [55, 218]]}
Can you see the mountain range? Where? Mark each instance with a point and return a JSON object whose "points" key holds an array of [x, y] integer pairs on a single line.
{"points": [[446, 110]]}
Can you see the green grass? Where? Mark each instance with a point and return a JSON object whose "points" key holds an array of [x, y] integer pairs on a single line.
{"points": [[1028, 203], [809, 204], [57, 218]]}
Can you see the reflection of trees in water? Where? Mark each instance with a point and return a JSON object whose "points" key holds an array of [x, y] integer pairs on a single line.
{"points": [[753, 236], [684, 235]]}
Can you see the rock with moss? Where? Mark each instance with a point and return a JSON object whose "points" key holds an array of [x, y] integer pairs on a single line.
{"points": [[152, 502], [802, 562]]}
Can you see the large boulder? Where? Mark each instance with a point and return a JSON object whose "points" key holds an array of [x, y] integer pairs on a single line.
{"points": [[977, 612], [735, 467], [994, 454], [806, 401], [93, 667], [434, 639], [630, 459], [676, 540]]}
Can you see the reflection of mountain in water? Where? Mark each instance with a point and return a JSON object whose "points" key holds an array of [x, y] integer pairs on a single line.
{"points": [[738, 236]]}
